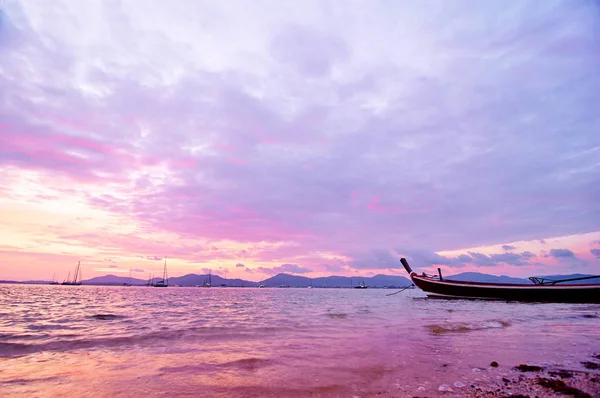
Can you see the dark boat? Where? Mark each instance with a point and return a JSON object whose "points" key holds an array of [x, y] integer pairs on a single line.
{"points": [[542, 290], [128, 283], [165, 280], [77, 279], [54, 281], [361, 285]]}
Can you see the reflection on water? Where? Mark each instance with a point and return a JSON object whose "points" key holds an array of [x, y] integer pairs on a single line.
{"points": [[114, 341]]}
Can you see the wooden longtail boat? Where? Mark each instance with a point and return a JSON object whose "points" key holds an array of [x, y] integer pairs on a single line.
{"points": [[542, 290]]}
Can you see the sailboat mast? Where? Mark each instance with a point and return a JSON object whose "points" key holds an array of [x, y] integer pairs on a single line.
{"points": [[165, 278], [76, 276]]}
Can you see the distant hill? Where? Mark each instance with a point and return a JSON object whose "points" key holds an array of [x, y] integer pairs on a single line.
{"points": [[25, 282], [216, 280], [479, 277], [186, 280], [279, 280], [114, 280], [572, 276], [287, 280]]}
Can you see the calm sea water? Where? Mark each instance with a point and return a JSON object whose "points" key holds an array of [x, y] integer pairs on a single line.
{"points": [[233, 342]]}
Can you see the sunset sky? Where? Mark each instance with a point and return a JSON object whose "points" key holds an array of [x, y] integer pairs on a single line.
{"points": [[307, 137]]}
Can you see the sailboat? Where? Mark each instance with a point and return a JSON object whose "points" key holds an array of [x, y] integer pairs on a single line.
{"points": [[361, 285], [128, 283], [165, 280], [208, 283], [77, 279], [54, 281]]}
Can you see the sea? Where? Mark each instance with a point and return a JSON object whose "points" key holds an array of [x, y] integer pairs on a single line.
{"points": [[94, 341]]}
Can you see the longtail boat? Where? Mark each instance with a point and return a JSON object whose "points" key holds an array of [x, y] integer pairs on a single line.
{"points": [[541, 289]]}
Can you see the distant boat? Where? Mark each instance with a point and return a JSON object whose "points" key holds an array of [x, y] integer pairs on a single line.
{"points": [[165, 280], [128, 283], [207, 282], [54, 281], [310, 286], [77, 280], [261, 285], [542, 290], [361, 285]]}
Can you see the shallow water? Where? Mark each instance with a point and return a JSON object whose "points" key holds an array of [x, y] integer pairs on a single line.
{"points": [[234, 342]]}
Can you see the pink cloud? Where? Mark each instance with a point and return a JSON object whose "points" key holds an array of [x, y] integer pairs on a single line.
{"points": [[374, 204]]}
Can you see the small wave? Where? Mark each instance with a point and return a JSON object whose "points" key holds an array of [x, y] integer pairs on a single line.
{"points": [[463, 327], [247, 363], [338, 316], [107, 317], [12, 349], [24, 336], [25, 381], [51, 327], [154, 338]]}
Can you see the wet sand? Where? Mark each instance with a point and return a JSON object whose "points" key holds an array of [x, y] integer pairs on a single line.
{"points": [[535, 381]]}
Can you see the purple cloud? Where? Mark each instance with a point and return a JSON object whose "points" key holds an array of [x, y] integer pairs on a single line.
{"points": [[240, 265], [595, 252], [375, 258], [508, 247], [284, 268], [561, 253], [308, 51], [334, 268]]}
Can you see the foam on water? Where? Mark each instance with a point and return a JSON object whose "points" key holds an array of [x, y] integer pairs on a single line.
{"points": [[461, 327]]}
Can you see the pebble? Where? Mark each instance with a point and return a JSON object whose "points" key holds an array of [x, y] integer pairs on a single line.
{"points": [[446, 388], [459, 384]]}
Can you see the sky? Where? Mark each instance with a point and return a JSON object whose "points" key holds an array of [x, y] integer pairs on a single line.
{"points": [[312, 138]]}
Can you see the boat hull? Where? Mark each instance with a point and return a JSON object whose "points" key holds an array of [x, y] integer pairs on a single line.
{"points": [[446, 289]]}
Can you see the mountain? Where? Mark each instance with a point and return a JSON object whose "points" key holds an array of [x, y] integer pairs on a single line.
{"points": [[216, 280], [114, 280], [287, 280], [381, 280], [479, 277], [572, 276]]}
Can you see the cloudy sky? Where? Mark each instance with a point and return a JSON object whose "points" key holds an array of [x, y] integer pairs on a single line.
{"points": [[308, 137]]}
